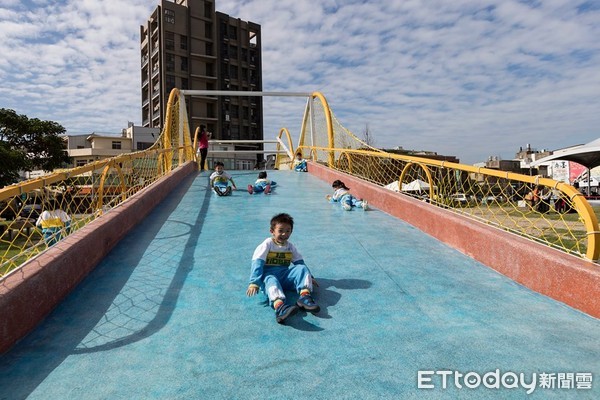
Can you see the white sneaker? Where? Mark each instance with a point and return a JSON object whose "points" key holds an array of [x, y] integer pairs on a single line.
{"points": [[346, 206], [365, 205]]}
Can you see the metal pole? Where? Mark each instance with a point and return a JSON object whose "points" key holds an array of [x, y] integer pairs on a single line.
{"points": [[241, 93]]}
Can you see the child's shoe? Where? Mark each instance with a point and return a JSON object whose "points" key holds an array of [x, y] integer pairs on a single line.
{"points": [[250, 189], [307, 303], [365, 205], [227, 191], [346, 206], [285, 311], [268, 189]]}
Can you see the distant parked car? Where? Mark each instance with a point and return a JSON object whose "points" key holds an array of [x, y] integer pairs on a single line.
{"points": [[459, 198]]}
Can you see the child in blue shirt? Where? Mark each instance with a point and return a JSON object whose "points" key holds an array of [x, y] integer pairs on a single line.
{"points": [[262, 184], [277, 266], [300, 163]]}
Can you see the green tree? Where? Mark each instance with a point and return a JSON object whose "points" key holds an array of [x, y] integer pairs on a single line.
{"points": [[31, 143], [13, 161]]}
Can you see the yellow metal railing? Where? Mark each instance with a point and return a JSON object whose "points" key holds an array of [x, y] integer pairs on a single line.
{"points": [[544, 210], [85, 193]]}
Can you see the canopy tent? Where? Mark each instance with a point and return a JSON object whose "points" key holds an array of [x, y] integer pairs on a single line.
{"points": [[415, 186], [392, 186], [587, 155]]}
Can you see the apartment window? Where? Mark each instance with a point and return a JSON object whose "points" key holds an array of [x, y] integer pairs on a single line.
{"points": [[232, 32], [170, 83], [233, 72], [183, 44], [184, 63], [253, 39], [169, 16], [80, 147], [116, 145], [170, 64], [233, 51], [235, 132], [80, 163], [184, 83], [234, 112], [208, 31], [209, 49], [169, 41]]}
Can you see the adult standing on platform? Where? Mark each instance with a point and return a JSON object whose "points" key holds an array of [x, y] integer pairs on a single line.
{"points": [[203, 146]]}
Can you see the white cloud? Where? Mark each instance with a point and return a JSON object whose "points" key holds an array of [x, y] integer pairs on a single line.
{"points": [[467, 78]]}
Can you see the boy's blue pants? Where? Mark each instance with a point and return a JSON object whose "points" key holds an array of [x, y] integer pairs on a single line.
{"points": [[279, 279]]}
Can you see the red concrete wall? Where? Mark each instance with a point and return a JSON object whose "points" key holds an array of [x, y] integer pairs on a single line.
{"points": [[566, 278], [27, 296]]}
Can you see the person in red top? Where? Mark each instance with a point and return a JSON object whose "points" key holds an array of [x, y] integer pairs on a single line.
{"points": [[203, 146]]}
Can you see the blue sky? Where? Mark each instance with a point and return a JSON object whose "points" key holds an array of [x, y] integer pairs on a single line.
{"points": [[471, 78]]}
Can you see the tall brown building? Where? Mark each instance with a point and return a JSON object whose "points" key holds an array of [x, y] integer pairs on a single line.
{"points": [[188, 45]]}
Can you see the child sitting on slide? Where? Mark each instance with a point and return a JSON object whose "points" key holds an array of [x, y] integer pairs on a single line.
{"points": [[219, 181], [300, 163]]}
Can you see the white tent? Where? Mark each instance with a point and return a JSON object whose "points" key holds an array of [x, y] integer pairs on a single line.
{"points": [[415, 186], [587, 155], [392, 186]]}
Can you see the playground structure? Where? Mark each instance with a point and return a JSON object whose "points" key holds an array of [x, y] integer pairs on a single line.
{"points": [[495, 209], [543, 210]]}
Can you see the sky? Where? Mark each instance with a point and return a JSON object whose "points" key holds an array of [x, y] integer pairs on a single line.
{"points": [[469, 78]]}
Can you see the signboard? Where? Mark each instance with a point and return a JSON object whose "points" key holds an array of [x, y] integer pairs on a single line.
{"points": [[560, 171]]}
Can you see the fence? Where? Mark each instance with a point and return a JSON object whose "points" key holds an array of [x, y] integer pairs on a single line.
{"points": [[541, 209], [30, 220]]}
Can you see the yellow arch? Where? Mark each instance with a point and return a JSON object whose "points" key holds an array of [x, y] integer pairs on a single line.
{"points": [[329, 124], [427, 172], [278, 156], [347, 155], [195, 146], [105, 171]]}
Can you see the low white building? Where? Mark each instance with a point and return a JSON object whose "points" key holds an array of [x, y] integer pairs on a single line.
{"points": [[84, 149]]}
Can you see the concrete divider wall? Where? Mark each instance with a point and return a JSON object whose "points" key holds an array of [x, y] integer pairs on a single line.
{"points": [[566, 278], [27, 296]]}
